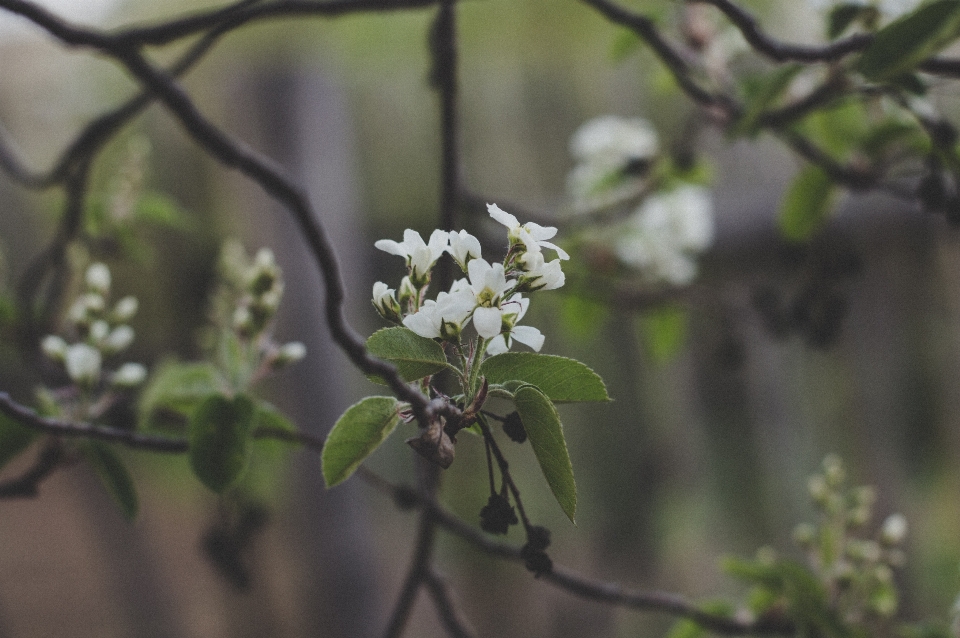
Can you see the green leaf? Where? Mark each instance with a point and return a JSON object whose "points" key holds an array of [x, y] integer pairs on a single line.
{"points": [[761, 93], [115, 477], [219, 437], [906, 42], [268, 416], [624, 44], [559, 378], [843, 15], [162, 210], [664, 331], [806, 205], [355, 435], [542, 423], [415, 356], [178, 388], [14, 439]]}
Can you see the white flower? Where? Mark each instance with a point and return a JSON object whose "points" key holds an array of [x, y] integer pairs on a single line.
{"points": [[118, 339], [540, 275], [129, 375], [80, 309], [97, 278], [125, 309], [407, 290], [606, 147], [463, 248], [385, 303], [54, 347], [513, 311], [420, 256], [614, 141], [443, 318], [666, 232], [83, 363], [487, 283], [532, 236]]}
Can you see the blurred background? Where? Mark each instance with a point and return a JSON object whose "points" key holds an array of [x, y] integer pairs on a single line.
{"points": [[715, 424]]}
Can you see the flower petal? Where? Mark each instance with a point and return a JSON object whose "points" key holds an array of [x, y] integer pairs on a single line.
{"points": [[487, 321], [561, 253], [497, 345], [527, 335], [502, 216], [392, 247]]}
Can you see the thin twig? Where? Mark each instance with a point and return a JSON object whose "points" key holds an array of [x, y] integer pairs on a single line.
{"points": [[450, 615], [589, 588], [27, 484], [130, 438], [782, 51]]}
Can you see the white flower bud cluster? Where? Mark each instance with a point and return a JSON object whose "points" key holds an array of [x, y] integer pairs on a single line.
{"points": [[491, 295], [861, 567], [101, 331], [256, 290]]}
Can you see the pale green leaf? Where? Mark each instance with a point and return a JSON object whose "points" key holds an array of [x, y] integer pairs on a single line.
{"points": [[219, 436], [355, 435], [664, 331], [559, 378], [807, 204], [906, 42], [115, 477], [178, 388], [542, 423], [415, 356]]}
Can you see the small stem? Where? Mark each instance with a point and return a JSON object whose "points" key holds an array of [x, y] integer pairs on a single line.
{"points": [[504, 470], [493, 489]]}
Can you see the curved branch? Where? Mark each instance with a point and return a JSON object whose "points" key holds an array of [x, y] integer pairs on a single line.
{"points": [[450, 616], [645, 28], [27, 417], [27, 484], [782, 51]]}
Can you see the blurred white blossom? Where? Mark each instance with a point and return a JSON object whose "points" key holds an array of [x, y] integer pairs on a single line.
{"points": [[83, 363], [605, 148], [667, 231], [129, 375]]}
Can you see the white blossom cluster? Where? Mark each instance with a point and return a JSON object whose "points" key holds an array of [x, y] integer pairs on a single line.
{"points": [[491, 295], [610, 153], [101, 331], [663, 235]]}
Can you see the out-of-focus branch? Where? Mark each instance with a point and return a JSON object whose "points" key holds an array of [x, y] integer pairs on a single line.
{"points": [[782, 51], [453, 621], [645, 28], [27, 417], [582, 586], [27, 484]]}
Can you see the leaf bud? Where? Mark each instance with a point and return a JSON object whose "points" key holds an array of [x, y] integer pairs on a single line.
{"points": [[497, 515]]}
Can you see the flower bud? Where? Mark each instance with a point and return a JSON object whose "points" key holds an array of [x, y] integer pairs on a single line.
{"points": [[407, 291], [120, 338], [54, 347], [385, 303], [894, 530], [97, 278], [833, 470], [99, 330], [125, 309], [129, 375], [818, 489], [288, 353], [83, 363]]}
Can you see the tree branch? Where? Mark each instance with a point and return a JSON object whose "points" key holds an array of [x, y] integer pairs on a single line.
{"points": [[27, 417], [450, 616], [781, 51], [27, 484]]}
